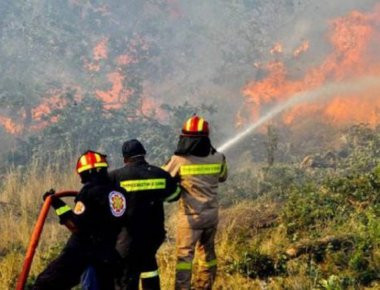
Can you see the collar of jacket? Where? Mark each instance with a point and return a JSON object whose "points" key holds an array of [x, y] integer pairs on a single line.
{"points": [[136, 162]]}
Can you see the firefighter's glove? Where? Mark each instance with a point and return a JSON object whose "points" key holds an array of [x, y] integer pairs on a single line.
{"points": [[55, 201], [48, 193]]}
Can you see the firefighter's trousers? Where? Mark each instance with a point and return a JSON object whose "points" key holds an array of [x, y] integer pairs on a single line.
{"points": [[201, 240], [140, 263], [65, 272]]}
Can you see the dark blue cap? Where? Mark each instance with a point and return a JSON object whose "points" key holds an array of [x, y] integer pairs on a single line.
{"points": [[132, 148]]}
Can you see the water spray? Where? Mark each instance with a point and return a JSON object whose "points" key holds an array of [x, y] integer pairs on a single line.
{"points": [[320, 94]]}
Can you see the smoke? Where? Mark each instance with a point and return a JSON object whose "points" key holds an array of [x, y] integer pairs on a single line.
{"points": [[213, 47], [201, 51], [320, 94]]}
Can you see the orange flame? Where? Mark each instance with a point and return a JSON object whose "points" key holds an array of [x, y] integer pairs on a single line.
{"points": [[301, 49], [116, 96], [151, 107], [277, 48], [46, 107], [124, 59], [41, 115], [113, 98], [10, 126], [352, 38], [100, 51]]}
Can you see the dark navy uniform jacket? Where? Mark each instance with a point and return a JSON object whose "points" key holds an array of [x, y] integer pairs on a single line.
{"points": [[147, 188], [97, 218]]}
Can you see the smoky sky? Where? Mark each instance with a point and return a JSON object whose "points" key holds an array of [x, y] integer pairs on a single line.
{"points": [[204, 51]]}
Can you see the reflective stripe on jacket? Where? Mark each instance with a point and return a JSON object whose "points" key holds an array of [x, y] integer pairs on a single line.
{"points": [[147, 187], [199, 181]]}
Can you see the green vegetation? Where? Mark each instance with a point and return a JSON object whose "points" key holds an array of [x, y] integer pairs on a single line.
{"points": [[286, 226], [300, 209]]}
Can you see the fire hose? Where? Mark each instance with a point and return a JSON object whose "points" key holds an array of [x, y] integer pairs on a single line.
{"points": [[36, 234]]}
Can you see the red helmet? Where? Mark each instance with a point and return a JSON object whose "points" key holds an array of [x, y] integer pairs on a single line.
{"points": [[90, 160], [195, 126]]}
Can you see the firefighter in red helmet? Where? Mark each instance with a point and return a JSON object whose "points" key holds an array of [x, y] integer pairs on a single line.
{"points": [[95, 222], [200, 168]]}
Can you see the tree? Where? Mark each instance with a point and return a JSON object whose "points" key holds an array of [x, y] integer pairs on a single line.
{"points": [[271, 144]]}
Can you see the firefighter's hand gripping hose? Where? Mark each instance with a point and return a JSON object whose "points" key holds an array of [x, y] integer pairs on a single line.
{"points": [[36, 234]]}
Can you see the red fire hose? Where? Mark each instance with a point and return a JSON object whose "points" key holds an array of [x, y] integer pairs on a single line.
{"points": [[33, 243]]}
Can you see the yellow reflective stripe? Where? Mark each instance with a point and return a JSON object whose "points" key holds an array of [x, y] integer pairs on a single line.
{"points": [[174, 195], [200, 124], [184, 266], [97, 157], [83, 160], [62, 210], [147, 275], [208, 264], [188, 124], [143, 184], [200, 169], [90, 166]]}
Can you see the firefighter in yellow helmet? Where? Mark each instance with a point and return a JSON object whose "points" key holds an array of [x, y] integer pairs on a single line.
{"points": [[95, 222], [200, 168]]}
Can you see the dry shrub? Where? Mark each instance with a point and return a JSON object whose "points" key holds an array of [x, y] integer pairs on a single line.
{"points": [[246, 226], [248, 217], [21, 200]]}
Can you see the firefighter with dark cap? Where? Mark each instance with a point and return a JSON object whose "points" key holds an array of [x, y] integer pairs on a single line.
{"points": [[95, 223], [200, 168], [147, 188]]}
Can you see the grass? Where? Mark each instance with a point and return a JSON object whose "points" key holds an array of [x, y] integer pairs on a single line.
{"points": [[252, 236], [21, 200]]}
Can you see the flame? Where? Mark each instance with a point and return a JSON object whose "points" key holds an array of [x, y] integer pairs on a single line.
{"points": [[301, 49], [148, 106], [41, 112], [10, 126], [40, 116], [352, 38], [277, 48], [125, 59], [47, 106], [151, 107], [340, 110], [116, 96], [100, 51], [132, 50], [91, 66]]}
